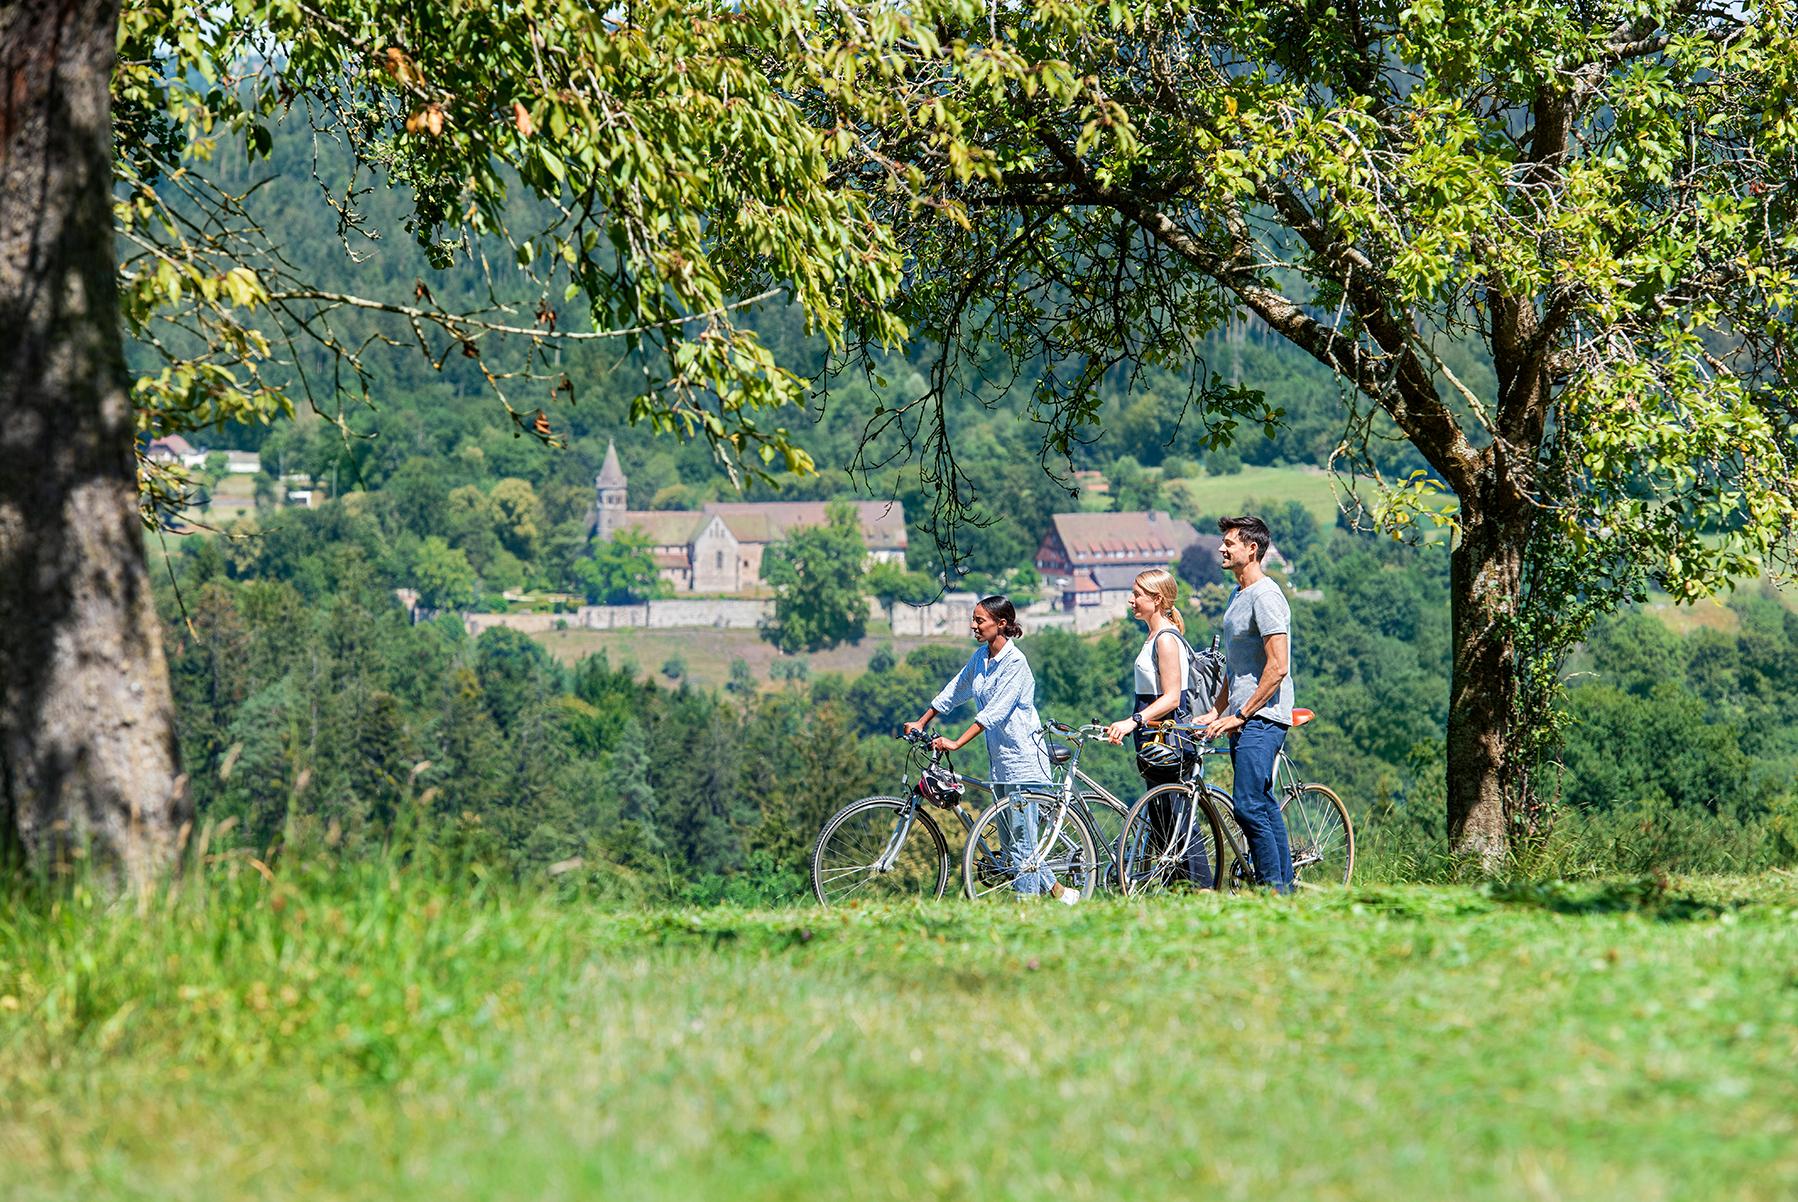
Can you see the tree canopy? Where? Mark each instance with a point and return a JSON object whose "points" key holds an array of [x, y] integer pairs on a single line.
{"points": [[816, 572]]}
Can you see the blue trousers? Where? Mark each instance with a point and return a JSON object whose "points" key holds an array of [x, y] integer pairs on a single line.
{"points": [[1017, 834], [1252, 751]]}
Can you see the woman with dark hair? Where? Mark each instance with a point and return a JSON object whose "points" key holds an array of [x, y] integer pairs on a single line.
{"points": [[998, 680]]}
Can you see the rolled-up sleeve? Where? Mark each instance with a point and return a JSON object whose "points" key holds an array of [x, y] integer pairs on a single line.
{"points": [[1010, 677], [958, 690]]}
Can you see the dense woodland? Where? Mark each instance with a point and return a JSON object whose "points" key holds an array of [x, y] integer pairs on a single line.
{"points": [[314, 714]]}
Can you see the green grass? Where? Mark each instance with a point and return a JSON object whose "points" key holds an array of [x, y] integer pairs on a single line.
{"points": [[366, 1035], [708, 651], [1309, 486]]}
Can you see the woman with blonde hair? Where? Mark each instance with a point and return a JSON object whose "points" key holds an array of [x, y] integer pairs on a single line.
{"points": [[1161, 683]]}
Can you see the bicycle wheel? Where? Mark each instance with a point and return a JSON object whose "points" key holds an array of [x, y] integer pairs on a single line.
{"points": [[1108, 823], [1322, 838], [847, 862], [1171, 837], [992, 869]]}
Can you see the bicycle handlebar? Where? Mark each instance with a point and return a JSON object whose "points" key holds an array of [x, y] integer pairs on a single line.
{"points": [[1092, 730], [1180, 728]]}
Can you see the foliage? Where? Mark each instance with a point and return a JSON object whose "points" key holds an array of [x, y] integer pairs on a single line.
{"points": [[664, 176], [507, 1015], [443, 575], [890, 583], [620, 571], [817, 576]]}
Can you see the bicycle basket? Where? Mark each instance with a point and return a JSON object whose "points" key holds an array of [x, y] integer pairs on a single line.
{"points": [[939, 786]]}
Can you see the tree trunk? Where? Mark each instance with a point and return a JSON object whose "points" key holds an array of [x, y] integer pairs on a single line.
{"points": [[87, 747], [1485, 580]]}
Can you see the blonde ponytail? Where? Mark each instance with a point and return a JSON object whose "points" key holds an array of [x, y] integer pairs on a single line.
{"points": [[1165, 588]]}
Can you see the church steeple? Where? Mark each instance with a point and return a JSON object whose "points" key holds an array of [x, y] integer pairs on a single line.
{"points": [[613, 494]]}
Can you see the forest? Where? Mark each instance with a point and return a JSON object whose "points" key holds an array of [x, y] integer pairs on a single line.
{"points": [[313, 713]]}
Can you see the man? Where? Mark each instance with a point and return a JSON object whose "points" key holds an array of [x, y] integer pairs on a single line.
{"points": [[1254, 701]]}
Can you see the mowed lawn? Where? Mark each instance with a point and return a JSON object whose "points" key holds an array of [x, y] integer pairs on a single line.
{"points": [[385, 1039]]}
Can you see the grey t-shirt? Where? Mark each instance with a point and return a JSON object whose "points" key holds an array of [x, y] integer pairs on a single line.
{"points": [[1252, 614]]}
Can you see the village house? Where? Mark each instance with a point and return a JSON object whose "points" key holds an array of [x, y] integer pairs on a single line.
{"points": [[718, 549], [176, 449], [1090, 560]]}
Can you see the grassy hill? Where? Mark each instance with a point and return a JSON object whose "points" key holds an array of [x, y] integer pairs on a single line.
{"points": [[1233, 492], [362, 1035]]}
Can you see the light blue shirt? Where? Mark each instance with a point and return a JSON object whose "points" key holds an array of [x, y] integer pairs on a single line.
{"points": [[1004, 694]]}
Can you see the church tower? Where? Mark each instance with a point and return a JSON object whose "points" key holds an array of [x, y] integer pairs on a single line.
{"points": [[613, 495]]}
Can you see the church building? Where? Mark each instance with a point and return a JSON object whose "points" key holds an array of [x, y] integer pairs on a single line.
{"points": [[718, 549]]}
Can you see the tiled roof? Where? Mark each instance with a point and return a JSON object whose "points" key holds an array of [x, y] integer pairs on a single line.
{"points": [[172, 443], [664, 527], [883, 523], [1094, 538], [1114, 578]]}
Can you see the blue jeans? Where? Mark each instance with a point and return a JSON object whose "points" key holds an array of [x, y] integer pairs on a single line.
{"points": [[1252, 751], [1017, 834]]}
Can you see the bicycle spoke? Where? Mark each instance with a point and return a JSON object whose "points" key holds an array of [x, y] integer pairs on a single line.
{"points": [[1061, 851], [848, 859], [1323, 846]]}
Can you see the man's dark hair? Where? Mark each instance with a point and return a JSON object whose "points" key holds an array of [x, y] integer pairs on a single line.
{"points": [[1251, 529]]}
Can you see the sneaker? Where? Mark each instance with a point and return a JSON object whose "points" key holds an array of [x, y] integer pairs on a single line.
{"points": [[1064, 895]]}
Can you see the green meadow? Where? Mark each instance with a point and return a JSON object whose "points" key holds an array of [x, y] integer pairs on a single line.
{"points": [[1233, 492], [366, 1033]]}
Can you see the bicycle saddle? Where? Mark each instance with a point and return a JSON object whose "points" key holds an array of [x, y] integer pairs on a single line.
{"points": [[1300, 717]]}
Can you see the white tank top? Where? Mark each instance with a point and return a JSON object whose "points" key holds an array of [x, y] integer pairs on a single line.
{"points": [[1145, 664]]}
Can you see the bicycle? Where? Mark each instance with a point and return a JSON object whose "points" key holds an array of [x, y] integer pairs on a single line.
{"points": [[1156, 851], [891, 846], [1318, 828], [1074, 833]]}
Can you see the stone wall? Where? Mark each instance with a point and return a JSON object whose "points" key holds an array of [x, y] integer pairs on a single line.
{"points": [[949, 615], [672, 614]]}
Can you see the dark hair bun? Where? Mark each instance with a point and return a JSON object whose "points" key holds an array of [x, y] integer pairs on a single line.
{"points": [[1000, 609]]}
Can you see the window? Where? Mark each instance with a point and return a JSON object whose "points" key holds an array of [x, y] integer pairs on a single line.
{"points": [[720, 561]]}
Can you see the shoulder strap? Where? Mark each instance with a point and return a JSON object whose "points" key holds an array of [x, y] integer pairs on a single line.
{"points": [[1156, 659]]}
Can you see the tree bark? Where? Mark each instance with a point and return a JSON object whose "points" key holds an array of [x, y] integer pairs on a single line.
{"points": [[87, 749], [1485, 581]]}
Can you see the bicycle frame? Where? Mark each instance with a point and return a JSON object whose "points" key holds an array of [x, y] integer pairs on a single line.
{"points": [[1069, 796], [1070, 793], [1285, 783]]}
